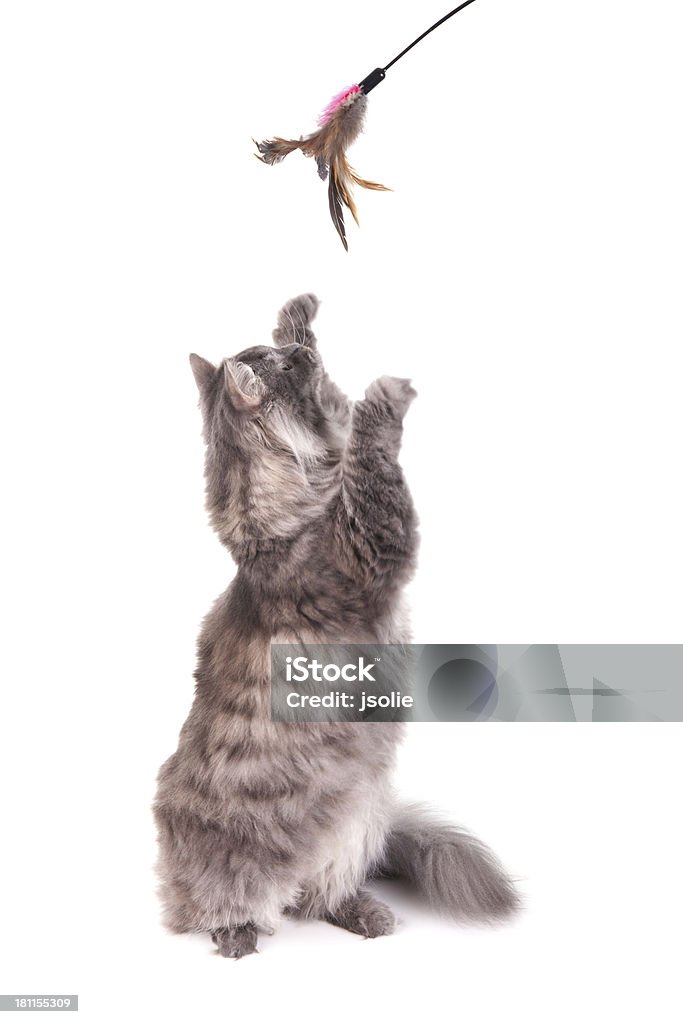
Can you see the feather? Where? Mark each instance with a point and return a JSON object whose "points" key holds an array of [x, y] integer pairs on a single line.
{"points": [[274, 150], [336, 206], [364, 183], [339, 125]]}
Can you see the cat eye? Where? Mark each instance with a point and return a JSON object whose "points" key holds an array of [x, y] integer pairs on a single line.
{"points": [[286, 366]]}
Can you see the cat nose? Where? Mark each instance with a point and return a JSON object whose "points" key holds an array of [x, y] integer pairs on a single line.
{"points": [[290, 350]]}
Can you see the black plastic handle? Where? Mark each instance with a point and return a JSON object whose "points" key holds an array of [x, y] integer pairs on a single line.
{"points": [[373, 79]]}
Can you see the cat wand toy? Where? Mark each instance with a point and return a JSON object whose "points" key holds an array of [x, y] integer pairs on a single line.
{"points": [[338, 127]]}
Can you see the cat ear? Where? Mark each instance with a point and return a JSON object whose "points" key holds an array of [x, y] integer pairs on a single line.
{"points": [[203, 370], [243, 386], [293, 322]]}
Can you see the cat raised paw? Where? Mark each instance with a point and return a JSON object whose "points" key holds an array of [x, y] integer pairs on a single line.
{"points": [[392, 393]]}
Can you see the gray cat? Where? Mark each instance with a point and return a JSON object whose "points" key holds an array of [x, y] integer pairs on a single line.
{"points": [[257, 818]]}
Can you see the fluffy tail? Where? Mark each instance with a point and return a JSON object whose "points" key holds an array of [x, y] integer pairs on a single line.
{"points": [[457, 873]]}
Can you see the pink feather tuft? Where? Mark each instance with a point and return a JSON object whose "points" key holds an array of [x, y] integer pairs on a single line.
{"points": [[335, 103]]}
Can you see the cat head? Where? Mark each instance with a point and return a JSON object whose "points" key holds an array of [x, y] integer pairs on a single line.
{"points": [[274, 427]]}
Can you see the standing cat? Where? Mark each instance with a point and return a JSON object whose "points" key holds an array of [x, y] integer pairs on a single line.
{"points": [[258, 818]]}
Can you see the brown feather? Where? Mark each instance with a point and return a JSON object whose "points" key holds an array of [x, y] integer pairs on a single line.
{"points": [[364, 183], [344, 177], [272, 151], [336, 207]]}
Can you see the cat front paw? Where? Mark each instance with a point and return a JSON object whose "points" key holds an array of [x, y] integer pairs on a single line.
{"points": [[392, 394], [234, 943], [299, 310], [294, 320]]}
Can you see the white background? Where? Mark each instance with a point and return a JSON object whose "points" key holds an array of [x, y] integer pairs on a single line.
{"points": [[526, 273]]}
